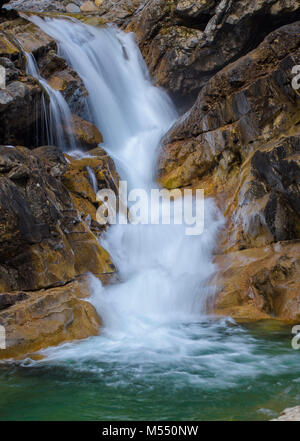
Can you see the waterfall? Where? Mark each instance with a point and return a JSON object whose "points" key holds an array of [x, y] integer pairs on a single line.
{"points": [[163, 273], [57, 117]]}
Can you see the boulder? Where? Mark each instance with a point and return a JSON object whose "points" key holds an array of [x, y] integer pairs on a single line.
{"points": [[39, 319], [86, 134], [72, 8], [240, 109], [88, 6], [259, 283], [21, 109]]}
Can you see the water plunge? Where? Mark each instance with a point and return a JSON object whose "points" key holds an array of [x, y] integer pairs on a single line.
{"points": [[157, 342], [163, 272]]}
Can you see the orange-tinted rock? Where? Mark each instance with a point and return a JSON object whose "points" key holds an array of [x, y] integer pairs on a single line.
{"points": [[85, 133], [43, 239], [260, 283], [48, 317]]}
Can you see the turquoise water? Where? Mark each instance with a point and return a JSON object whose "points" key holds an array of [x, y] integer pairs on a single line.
{"points": [[231, 372]]}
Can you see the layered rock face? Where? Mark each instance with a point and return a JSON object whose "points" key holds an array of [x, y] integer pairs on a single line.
{"points": [[186, 42], [241, 143], [48, 239], [48, 227]]}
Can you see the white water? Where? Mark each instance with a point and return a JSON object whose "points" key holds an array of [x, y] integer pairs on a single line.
{"points": [[58, 116], [163, 273]]}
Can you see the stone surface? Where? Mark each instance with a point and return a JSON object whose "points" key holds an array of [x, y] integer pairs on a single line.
{"points": [[63, 78], [39, 319], [85, 133], [48, 244], [240, 142], [43, 239], [78, 180], [23, 95], [185, 42], [245, 105]]}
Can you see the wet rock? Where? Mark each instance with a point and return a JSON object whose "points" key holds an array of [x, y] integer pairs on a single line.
{"points": [[24, 96], [244, 106], [266, 205], [85, 133], [43, 239], [72, 8], [79, 181], [88, 6], [10, 299], [185, 43], [21, 110], [63, 78], [260, 283], [37, 5]]}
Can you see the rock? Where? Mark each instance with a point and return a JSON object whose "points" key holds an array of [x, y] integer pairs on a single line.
{"points": [[30, 37], [291, 414], [10, 299], [24, 96], [77, 179], [63, 78], [21, 106], [265, 207], [242, 107], [21, 110], [85, 133], [185, 42], [88, 6], [72, 8], [43, 240], [46, 318], [240, 142], [259, 283]]}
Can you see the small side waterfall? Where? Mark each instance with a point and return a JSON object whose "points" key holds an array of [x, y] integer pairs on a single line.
{"points": [[163, 272], [59, 114]]}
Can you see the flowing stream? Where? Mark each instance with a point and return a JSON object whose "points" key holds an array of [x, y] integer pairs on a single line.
{"points": [[159, 355]]}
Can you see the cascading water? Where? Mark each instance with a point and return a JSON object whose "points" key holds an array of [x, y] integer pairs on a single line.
{"points": [[57, 117], [158, 355], [163, 272]]}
